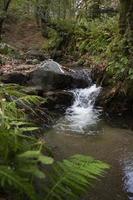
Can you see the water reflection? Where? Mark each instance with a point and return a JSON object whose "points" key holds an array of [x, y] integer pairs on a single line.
{"points": [[110, 144], [128, 174]]}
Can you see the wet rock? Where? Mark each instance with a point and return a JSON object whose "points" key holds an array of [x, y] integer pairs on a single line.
{"points": [[114, 102], [47, 80], [52, 66], [82, 78], [51, 76], [58, 100], [17, 78], [47, 76]]}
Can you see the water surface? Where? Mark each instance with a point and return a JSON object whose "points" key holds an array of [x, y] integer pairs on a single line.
{"points": [[112, 145], [80, 131]]}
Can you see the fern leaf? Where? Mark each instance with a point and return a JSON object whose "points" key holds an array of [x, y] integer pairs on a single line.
{"points": [[45, 160], [38, 156], [71, 178], [8, 176], [32, 170]]}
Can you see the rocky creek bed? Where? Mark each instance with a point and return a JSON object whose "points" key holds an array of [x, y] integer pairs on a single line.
{"points": [[54, 82]]}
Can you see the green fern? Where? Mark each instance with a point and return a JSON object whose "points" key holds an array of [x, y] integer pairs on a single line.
{"points": [[20, 153], [71, 178], [10, 178]]}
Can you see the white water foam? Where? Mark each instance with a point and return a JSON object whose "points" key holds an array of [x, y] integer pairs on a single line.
{"points": [[82, 114]]}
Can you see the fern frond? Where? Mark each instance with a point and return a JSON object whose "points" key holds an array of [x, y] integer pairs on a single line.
{"points": [[71, 178], [11, 90], [10, 178], [32, 99]]}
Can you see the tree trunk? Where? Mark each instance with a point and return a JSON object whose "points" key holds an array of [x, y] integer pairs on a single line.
{"points": [[126, 24], [130, 27], [129, 33], [124, 7], [6, 4], [44, 17]]}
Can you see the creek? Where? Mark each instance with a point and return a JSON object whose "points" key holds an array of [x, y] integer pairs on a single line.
{"points": [[82, 130]]}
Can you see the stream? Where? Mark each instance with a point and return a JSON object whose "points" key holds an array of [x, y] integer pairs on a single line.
{"points": [[82, 130]]}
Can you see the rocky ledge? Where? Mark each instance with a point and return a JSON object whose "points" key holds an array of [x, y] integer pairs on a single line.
{"points": [[49, 80]]}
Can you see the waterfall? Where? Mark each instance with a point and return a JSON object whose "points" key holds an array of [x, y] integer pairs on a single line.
{"points": [[82, 114]]}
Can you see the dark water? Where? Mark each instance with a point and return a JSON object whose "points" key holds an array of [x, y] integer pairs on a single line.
{"points": [[112, 145]]}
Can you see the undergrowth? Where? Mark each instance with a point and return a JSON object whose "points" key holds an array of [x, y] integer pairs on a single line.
{"points": [[101, 40]]}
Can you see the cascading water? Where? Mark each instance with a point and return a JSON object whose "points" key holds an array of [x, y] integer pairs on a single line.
{"points": [[82, 114]]}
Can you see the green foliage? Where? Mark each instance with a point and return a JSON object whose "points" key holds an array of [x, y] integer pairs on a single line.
{"points": [[8, 177], [71, 178], [96, 35], [20, 153], [23, 8], [117, 58], [101, 38], [6, 49], [53, 41], [58, 37], [56, 9]]}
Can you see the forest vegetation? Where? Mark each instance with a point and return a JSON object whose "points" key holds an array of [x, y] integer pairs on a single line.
{"points": [[97, 34]]}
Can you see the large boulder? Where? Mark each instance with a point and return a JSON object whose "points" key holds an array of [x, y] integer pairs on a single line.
{"points": [[47, 76], [51, 76]]}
